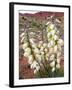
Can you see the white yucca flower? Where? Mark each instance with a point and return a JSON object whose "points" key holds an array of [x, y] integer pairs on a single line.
{"points": [[22, 34], [53, 32], [36, 69], [28, 50], [44, 45], [32, 33], [58, 60], [55, 48], [47, 56], [52, 57], [58, 54], [58, 66], [53, 69], [42, 48], [52, 64], [38, 57], [26, 54], [42, 53], [51, 26], [36, 51], [25, 45], [34, 46], [46, 50], [42, 57], [57, 20], [48, 34], [60, 42], [40, 44], [59, 48], [30, 59], [51, 50], [22, 39], [31, 41], [52, 43], [34, 65], [55, 37], [49, 45], [47, 23], [57, 32]]}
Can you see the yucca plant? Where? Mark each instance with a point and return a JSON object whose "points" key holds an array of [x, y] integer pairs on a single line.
{"points": [[44, 57]]}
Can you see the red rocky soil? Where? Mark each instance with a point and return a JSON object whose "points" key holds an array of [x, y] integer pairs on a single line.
{"points": [[24, 69]]}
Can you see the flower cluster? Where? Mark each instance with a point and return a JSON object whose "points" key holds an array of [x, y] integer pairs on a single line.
{"points": [[30, 51], [38, 53], [55, 46]]}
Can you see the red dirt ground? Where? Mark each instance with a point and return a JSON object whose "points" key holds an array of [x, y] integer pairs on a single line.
{"points": [[24, 69]]}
